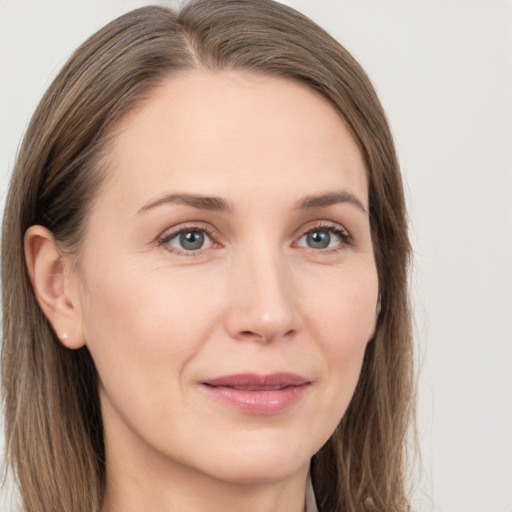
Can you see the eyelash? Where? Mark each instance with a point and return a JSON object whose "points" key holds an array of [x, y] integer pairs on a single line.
{"points": [[165, 239], [342, 233]]}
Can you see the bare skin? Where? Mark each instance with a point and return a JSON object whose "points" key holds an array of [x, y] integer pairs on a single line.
{"points": [[273, 273]]}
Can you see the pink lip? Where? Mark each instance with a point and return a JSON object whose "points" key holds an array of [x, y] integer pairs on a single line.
{"points": [[258, 394]]}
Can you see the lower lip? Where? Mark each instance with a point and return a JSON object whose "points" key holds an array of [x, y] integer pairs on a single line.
{"points": [[264, 402]]}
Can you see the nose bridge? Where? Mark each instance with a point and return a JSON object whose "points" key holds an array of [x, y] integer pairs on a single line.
{"points": [[262, 297]]}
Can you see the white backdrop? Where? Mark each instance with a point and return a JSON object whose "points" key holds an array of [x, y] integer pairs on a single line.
{"points": [[443, 69]]}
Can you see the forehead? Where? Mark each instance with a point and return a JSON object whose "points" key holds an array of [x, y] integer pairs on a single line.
{"points": [[230, 128]]}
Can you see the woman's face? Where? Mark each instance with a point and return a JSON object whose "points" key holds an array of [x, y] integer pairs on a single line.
{"points": [[227, 280]]}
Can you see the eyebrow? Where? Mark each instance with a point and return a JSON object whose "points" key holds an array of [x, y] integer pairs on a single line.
{"points": [[329, 199], [218, 204], [215, 204]]}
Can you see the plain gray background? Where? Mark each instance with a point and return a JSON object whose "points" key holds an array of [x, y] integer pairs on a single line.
{"points": [[443, 71]]}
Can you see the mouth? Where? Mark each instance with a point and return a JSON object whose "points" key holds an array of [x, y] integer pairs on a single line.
{"points": [[258, 394]]}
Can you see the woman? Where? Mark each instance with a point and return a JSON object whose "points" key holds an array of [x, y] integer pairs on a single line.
{"points": [[204, 274]]}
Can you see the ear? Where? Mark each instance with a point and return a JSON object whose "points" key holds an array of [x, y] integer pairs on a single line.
{"points": [[55, 285], [377, 314]]}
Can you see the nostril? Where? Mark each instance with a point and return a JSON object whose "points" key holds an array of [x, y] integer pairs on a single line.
{"points": [[250, 334], [263, 338]]}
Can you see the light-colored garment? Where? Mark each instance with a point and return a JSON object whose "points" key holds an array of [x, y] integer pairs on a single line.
{"points": [[310, 496]]}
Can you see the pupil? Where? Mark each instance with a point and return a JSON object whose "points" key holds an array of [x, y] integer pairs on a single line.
{"points": [[319, 239], [192, 240]]}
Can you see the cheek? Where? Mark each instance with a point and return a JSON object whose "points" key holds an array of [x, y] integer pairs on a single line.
{"points": [[341, 306], [342, 320], [153, 305], [142, 328]]}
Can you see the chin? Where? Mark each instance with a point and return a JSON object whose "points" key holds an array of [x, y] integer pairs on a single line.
{"points": [[261, 463], [251, 473]]}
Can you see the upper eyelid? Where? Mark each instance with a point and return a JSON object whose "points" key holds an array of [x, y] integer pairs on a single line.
{"points": [[175, 230], [325, 224]]}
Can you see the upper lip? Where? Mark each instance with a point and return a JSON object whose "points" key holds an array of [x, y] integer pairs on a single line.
{"points": [[257, 382]]}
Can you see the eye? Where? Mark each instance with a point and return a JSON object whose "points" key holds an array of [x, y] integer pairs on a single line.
{"points": [[187, 240], [324, 237]]}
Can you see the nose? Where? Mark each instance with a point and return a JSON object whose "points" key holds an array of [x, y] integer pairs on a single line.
{"points": [[262, 299]]}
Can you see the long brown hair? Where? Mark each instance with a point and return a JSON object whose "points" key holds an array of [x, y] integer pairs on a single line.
{"points": [[54, 437]]}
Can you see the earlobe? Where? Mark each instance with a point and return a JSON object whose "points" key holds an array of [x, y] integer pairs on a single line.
{"points": [[53, 283]]}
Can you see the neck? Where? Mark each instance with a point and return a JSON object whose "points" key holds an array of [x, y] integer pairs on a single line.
{"points": [[188, 491]]}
